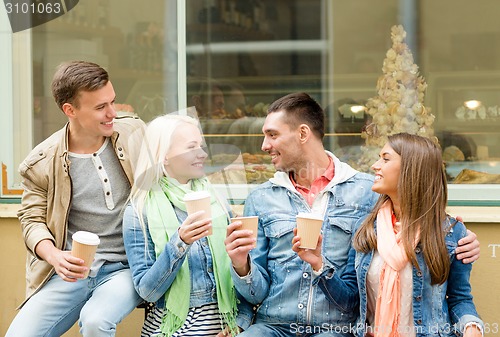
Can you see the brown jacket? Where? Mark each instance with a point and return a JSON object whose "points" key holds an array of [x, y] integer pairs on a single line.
{"points": [[47, 192]]}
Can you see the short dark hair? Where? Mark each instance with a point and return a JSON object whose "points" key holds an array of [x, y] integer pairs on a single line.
{"points": [[75, 76], [300, 108]]}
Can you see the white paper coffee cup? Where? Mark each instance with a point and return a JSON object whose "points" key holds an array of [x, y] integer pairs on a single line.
{"points": [[84, 247], [308, 228]]}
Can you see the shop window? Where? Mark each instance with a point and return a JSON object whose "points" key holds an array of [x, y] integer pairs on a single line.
{"points": [[231, 58], [16, 104]]}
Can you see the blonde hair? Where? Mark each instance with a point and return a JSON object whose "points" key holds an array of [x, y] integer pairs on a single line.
{"points": [[150, 163], [423, 194]]}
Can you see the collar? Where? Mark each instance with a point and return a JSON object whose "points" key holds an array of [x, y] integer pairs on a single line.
{"points": [[323, 180]]}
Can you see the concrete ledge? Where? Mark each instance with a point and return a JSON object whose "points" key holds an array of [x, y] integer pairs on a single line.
{"points": [[476, 214], [468, 213], [9, 210]]}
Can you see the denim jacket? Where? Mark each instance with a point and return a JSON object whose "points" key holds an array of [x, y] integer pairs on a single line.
{"points": [[439, 309], [281, 283], [152, 280]]}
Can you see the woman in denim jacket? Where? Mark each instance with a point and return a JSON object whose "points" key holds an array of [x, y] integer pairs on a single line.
{"points": [[409, 279], [175, 262]]}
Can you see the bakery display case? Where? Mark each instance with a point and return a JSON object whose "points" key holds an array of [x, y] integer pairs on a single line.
{"points": [[242, 55], [467, 120]]}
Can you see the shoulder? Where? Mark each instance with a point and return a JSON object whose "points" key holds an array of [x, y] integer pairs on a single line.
{"points": [[359, 186], [264, 194], [129, 211], [264, 186], [126, 125], [131, 217], [456, 230], [44, 151], [363, 178]]}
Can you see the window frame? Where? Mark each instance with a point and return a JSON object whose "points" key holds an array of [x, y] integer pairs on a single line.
{"points": [[16, 104]]}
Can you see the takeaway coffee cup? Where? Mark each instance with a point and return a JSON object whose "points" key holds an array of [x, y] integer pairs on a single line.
{"points": [[248, 223], [308, 228], [84, 247], [197, 201]]}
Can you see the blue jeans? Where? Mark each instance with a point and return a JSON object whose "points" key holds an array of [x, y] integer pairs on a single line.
{"points": [[292, 330], [99, 303]]}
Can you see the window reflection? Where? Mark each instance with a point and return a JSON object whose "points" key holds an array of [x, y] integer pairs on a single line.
{"points": [[242, 55]]}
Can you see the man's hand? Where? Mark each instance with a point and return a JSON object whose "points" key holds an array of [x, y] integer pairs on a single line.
{"points": [[468, 249], [68, 267], [311, 256], [238, 244]]}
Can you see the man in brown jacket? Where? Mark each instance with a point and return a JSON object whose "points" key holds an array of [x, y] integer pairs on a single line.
{"points": [[78, 179]]}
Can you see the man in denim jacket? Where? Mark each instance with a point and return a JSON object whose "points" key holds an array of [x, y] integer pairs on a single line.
{"points": [[309, 179]]}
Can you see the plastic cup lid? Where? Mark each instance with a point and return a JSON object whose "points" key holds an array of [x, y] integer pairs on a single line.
{"points": [[86, 238], [315, 216], [196, 195]]}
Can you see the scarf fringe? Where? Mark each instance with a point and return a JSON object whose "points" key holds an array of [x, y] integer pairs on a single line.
{"points": [[171, 323], [229, 321]]}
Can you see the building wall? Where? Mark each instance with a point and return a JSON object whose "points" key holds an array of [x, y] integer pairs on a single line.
{"points": [[484, 279], [486, 275]]}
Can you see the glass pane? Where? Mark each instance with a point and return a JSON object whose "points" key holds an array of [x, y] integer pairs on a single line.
{"points": [[461, 63], [132, 41], [246, 54], [241, 55]]}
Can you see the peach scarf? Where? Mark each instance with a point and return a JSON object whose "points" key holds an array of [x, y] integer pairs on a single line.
{"points": [[391, 249]]}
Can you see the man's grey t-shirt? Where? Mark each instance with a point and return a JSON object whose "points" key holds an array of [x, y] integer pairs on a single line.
{"points": [[100, 190]]}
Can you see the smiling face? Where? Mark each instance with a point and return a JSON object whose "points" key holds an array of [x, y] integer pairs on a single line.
{"points": [[92, 113], [282, 143], [387, 171], [185, 157]]}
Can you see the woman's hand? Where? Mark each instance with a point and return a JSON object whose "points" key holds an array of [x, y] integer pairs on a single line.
{"points": [[226, 333], [472, 331], [311, 256], [195, 227]]}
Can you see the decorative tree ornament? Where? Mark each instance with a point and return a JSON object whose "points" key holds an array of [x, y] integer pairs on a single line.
{"points": [[399, 104]]}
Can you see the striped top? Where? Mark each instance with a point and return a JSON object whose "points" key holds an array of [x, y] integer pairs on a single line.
{"points": [[201, 321]]}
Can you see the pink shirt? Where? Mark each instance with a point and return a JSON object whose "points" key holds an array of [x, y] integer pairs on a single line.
{"points": [[318, 184]]}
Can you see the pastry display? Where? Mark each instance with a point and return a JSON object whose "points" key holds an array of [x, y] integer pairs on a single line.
{"points": [[453, 153], [255, 169], [467, 176], [464, 113]]}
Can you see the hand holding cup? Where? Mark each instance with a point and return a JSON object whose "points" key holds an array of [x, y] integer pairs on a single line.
{"points": [[250, 223], [84, 247], [195, 227], [240, 239], [308, 228], [199, 201]]}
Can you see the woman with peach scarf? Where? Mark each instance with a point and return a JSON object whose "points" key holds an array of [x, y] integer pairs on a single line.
{"points": [[410, 281]]}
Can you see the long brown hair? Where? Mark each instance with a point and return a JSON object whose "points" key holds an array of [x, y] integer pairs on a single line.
{"points": [[423, 193]]}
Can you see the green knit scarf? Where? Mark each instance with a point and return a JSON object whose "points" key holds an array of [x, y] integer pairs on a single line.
{"points": [[162, 223]]}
